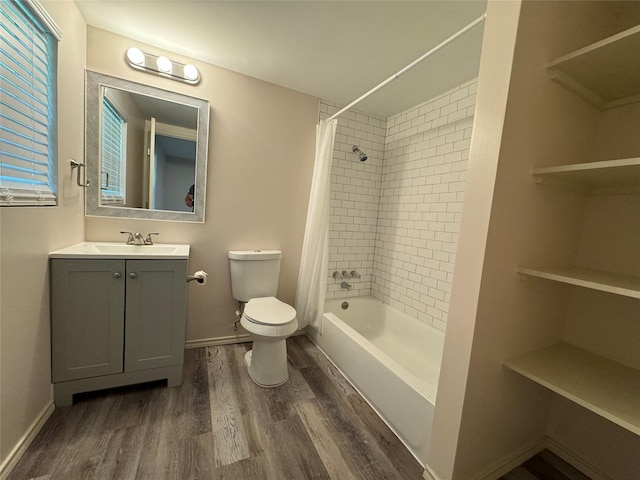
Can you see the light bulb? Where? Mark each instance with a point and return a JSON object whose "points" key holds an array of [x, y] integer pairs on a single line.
{"points": [[135, 56], [164, 64], [190, 72]]}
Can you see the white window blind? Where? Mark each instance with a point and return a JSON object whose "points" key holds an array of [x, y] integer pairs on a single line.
{"points": [[28, 69], [113, 155]]}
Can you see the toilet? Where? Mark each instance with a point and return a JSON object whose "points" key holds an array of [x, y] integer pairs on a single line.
{"points": [[254, 282]]}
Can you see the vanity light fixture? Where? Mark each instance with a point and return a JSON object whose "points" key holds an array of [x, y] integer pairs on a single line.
{"points": [[135, 56], [191, 72], [163, 66]]}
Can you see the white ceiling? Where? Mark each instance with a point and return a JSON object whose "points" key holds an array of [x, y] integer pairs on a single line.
{"points": [[336, 50]]}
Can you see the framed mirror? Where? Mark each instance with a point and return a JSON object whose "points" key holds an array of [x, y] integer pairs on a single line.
{"points": [[145, 151]]}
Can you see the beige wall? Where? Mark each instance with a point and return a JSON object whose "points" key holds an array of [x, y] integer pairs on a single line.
{"points": [[494, 418], [261, 150], [27, 235]]}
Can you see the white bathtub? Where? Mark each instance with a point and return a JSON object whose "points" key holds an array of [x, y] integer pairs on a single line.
{"points": [[392, 359]]}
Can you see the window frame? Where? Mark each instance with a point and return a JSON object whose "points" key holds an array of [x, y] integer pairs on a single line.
{"points": [[26, 134]]}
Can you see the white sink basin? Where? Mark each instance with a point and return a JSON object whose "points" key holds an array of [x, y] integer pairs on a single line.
{"points": [[121, 250], [128, 249]]}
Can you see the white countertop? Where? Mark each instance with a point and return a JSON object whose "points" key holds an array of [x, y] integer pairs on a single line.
{"points": [[112, 250]]}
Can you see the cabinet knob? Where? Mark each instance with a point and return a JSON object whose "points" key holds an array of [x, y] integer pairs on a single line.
{"points": [[116, 275], [132, 275]]}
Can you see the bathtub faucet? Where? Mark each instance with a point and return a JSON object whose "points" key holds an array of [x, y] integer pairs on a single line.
{"points": [[346, 286], [345, 275]]}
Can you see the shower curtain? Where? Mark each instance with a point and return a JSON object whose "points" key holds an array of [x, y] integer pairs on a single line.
{"points": [[312, 277]]}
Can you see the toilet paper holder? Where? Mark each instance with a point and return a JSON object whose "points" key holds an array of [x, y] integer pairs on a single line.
{"points": [[200, 276]]}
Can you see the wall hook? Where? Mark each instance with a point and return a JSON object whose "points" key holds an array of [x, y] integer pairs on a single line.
{"points": [[84, 183]]}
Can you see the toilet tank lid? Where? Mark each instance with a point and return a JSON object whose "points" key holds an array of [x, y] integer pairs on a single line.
{"points": [[255, 254]]}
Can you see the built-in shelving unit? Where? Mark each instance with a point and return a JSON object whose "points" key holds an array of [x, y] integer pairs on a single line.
{"points": [[605, 387], [611, 176], [606, 73], [625, 285]]}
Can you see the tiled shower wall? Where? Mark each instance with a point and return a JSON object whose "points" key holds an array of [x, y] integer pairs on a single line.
{"points": [[395, 218], [355, 194], [423, 181]]}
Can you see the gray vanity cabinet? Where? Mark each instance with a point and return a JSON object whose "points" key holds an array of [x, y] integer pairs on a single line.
{"points": [[116, 322], [155, 313], [87, 329]]}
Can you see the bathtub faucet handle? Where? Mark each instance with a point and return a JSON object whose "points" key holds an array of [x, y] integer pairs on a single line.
{"points": [[346, 274], [354, 274], [346, 286], [337, 275]]}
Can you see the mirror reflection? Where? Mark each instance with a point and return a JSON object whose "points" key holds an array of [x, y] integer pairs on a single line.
{"points": [[146, 151]]}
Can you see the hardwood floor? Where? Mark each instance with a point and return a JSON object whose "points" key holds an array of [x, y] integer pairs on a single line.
{"points": [[220, 425], [545, 466]]}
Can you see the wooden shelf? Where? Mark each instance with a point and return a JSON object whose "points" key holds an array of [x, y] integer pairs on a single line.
{"points": [[605, 387], [611, 176], [605, 73], [625, 285]]}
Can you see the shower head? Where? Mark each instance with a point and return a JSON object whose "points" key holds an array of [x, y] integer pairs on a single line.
{"points": [[361, 154]]}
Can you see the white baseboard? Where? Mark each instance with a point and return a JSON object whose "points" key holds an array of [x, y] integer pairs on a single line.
{"points": [[212, 342], [515, 459], [506, 465], [22, 445], [429, 474], [576, 461], [231, 339]]}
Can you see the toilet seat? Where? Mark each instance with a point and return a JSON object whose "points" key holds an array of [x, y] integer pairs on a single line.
{"points": [[268, 311]]}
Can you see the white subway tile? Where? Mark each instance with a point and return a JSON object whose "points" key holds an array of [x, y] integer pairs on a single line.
{"points": [[442, 101], [459, 94], [398, 215]]}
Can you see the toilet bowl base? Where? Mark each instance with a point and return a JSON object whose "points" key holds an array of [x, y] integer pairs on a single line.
{"points": [[267, 363]]}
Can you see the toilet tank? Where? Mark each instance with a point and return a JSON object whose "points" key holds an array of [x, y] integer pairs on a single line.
{"points": [[254, 273]]}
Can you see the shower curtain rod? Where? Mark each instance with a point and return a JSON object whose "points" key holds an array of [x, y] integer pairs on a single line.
{"points": [[464, 30]]}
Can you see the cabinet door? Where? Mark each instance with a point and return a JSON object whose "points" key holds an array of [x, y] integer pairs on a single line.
{"points": [[156, 313], [87, 310]]}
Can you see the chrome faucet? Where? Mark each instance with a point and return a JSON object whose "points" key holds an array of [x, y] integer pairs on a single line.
{"points": [[148, 240], [130, 239], [346, 286], [138, 239]]}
